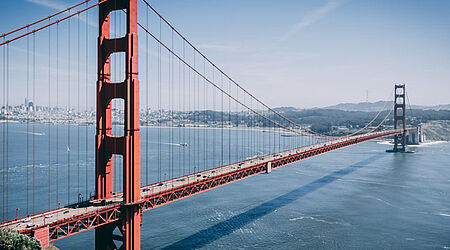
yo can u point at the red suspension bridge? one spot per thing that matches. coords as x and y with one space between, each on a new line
189 125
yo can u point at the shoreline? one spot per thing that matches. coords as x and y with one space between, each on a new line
423 144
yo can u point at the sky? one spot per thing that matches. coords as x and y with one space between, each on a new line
307 53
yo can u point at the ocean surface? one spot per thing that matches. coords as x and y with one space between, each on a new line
358 197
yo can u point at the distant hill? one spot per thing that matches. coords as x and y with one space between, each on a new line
376 106
362 106
285 109
334 120
436 107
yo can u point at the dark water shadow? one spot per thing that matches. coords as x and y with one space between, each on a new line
217 231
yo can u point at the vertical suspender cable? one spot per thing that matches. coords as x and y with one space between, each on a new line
4 111
204 118
7 130
78 108
179 119
198 122
190 118
146 102
195 110
279 139
249 120
28 123
34 121
221 122
172 82
194 113
262 133
273 135
57 109
184 112
267 137
250 145
197 141
159 104
170 92
49 118
194 118
168 112
229 123
87 108
248 127
214 122
68 111
244 129
238 114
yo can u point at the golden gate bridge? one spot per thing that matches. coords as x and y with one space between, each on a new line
174 127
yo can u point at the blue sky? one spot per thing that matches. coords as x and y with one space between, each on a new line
308 53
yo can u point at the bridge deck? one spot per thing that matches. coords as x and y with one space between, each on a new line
80 217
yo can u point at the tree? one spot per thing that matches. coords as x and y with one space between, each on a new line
321 128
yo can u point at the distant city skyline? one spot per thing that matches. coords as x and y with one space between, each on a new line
305 53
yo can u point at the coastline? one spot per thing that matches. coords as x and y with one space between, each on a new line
423 144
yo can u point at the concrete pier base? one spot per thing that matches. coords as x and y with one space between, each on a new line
398 151
42 235
269 167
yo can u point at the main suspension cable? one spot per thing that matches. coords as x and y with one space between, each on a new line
43 19
227 76
53 23
307 131
214 84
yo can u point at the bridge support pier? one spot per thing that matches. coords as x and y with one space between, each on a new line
127 145
269 167
42 235
103 237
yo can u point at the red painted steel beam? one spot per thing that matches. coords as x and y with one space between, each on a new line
132 213
105 144
79 223
103 156
128 145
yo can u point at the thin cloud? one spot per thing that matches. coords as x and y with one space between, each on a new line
56 5
219 47
312 17
49 4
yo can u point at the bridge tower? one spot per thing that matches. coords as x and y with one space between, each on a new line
127 145
400 116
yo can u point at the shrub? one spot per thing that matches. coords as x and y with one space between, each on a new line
10 240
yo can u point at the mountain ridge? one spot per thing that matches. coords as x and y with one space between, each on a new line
366 107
